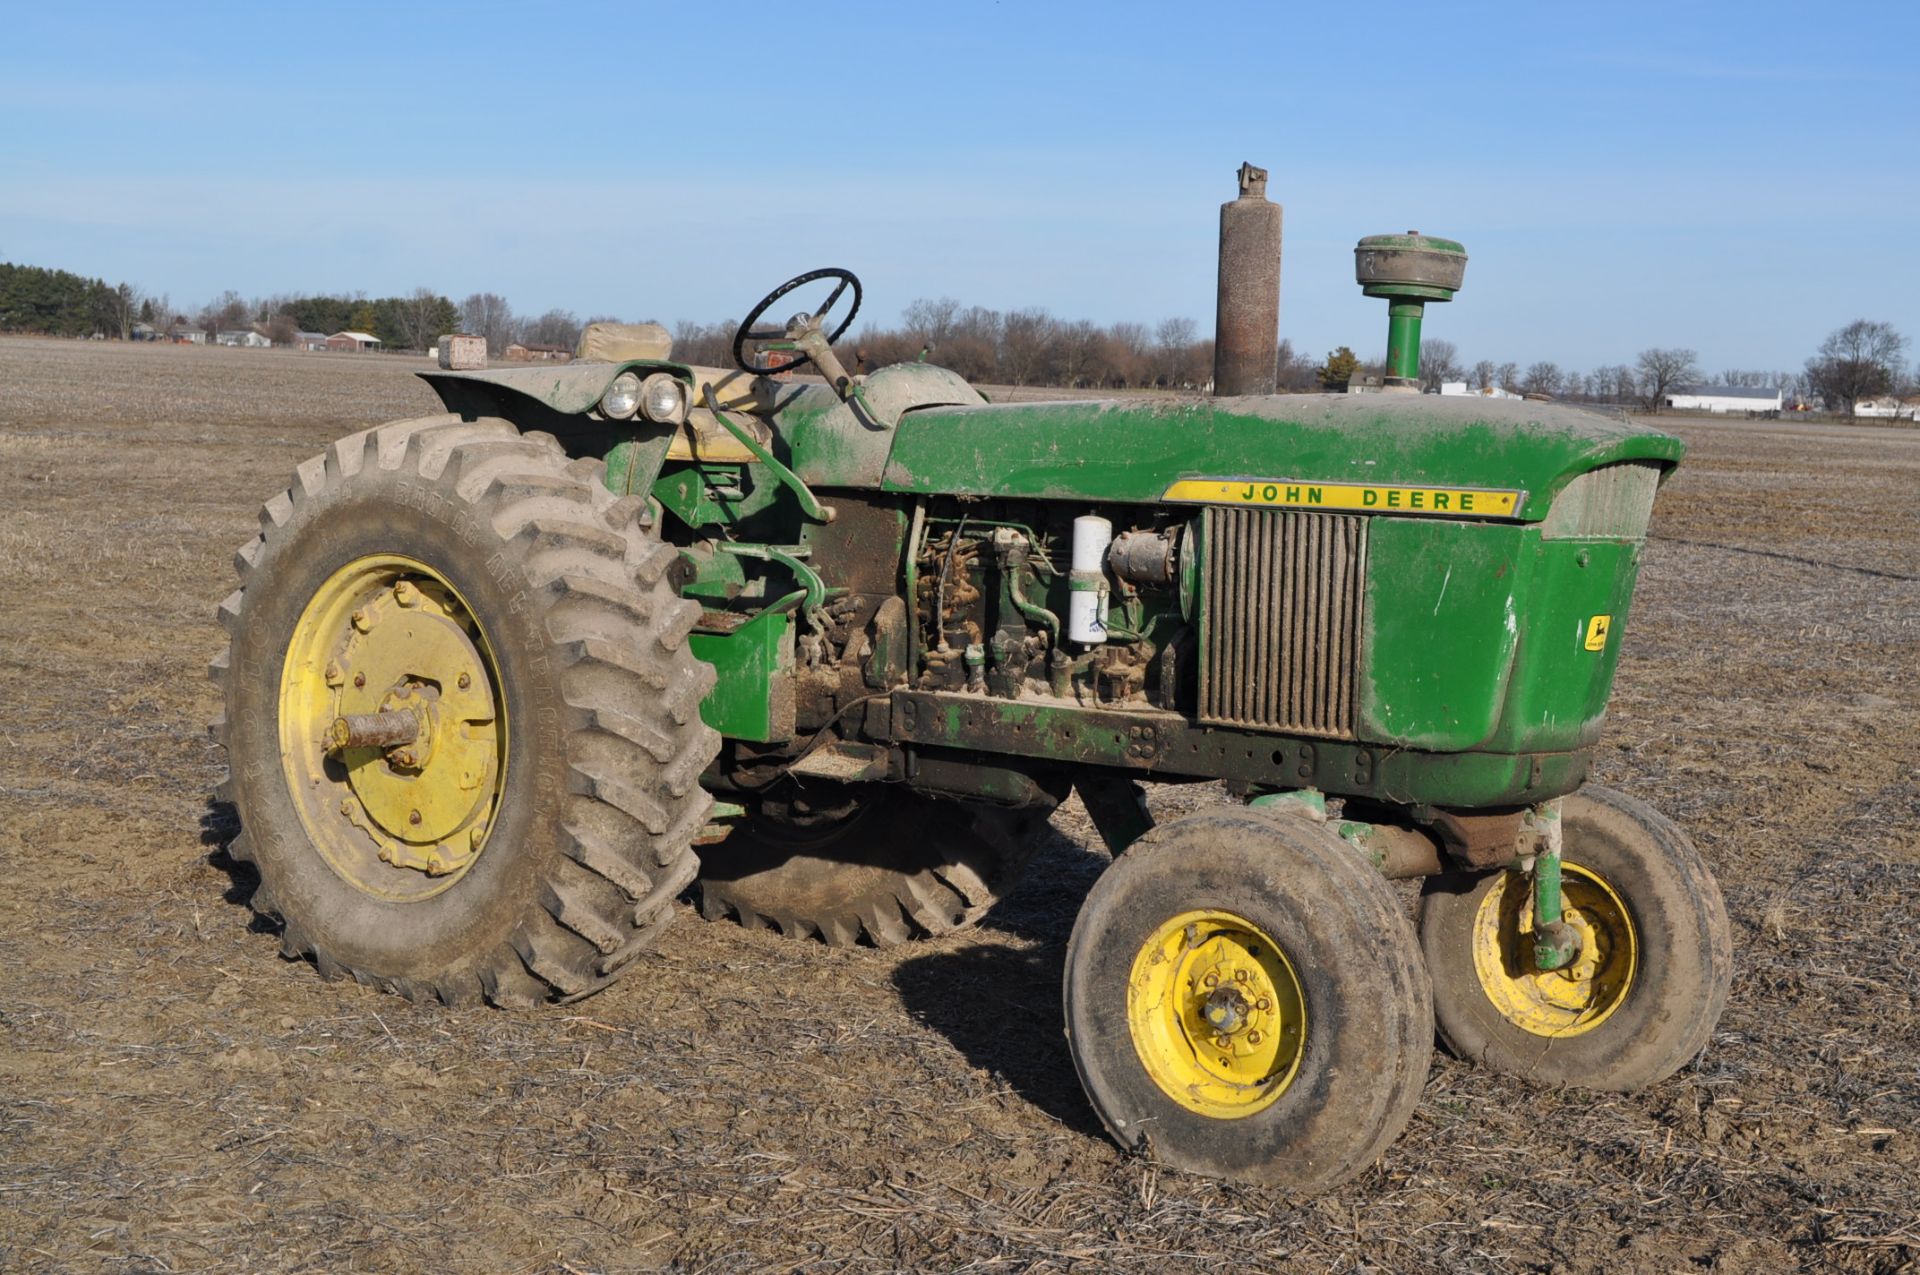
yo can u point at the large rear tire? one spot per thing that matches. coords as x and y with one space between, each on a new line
1245 999
495 598
874 861
1650 981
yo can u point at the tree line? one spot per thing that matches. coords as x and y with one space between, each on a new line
1863 360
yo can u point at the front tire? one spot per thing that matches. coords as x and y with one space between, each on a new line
480 586
1651 979
1244 999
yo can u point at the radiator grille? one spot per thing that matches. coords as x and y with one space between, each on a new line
1284 596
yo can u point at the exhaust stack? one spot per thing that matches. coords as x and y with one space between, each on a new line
1246 325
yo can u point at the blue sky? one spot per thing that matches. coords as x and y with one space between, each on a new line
1739 179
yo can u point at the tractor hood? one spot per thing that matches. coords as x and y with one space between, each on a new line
1391 452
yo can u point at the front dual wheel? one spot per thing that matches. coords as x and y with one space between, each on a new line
1650 975
1245 999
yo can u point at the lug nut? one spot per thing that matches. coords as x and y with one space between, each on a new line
405 757
333 675
1263 1004
465 680
1253 1037
359 680
362 621
413 817
405 594
478 835
1211 980
1221 1042
1239 976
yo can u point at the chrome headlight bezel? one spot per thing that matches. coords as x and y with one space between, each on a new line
664 399
622 397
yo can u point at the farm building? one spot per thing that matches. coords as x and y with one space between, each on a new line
309 340
1453 389
181 334
1889 407
532 353
353 341
1723 398
246 339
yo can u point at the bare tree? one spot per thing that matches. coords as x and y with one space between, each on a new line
1174 337
1078 344
1439 363
124 304
1858 361
1483 373
555 328
1662 369
424 316
487 314
1542 378
1026 343
281 329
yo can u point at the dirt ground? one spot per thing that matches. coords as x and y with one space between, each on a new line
176 1097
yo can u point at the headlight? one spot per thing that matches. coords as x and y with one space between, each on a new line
663 397
622 398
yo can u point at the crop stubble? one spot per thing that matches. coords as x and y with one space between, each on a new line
174 1097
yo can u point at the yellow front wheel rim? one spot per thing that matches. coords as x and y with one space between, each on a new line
1564 1002
388 635
1217 1013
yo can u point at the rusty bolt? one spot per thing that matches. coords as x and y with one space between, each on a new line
1221 1042
362 621
346 807
413 816
1263 1004
359 680
386 854
333 674
405 757
1211 980
478 835
466 680
1253 1037
405 594
1239 976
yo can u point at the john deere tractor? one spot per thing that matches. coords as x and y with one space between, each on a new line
827 648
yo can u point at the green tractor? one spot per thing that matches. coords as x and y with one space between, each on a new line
505 682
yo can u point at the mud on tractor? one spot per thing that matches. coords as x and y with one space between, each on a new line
505 682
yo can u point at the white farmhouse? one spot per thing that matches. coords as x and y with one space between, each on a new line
1723 399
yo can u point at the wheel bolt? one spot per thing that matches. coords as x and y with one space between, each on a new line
1221 1042
1211 980
466 680
1263 1004
359 680
362 621
1239 976
333 675
405 757
405 594
1253 1037
413 817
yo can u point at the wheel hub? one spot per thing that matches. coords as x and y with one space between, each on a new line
1217 1012
393 734
1577 997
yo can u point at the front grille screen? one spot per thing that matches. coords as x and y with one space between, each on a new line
1285 592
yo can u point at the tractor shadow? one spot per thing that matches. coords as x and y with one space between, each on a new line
999 1004
219 825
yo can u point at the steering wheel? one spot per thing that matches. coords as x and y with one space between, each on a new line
798 326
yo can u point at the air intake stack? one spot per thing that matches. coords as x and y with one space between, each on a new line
1408 271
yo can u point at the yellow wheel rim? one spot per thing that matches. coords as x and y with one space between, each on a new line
388 635
1218 1016
1563 1002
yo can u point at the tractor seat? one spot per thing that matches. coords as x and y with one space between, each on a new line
621 342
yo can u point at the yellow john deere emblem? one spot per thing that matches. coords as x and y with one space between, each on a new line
1597 632
1289 493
